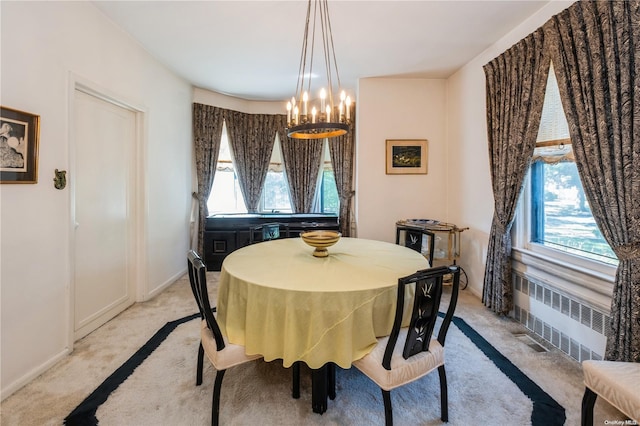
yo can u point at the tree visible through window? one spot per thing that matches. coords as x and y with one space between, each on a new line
327 200
560 215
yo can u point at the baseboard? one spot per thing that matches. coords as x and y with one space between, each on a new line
153 293
8 390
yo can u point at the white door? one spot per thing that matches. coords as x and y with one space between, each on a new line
103 182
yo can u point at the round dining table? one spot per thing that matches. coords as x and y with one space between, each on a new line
281 302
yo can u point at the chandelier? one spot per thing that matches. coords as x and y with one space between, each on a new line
326 116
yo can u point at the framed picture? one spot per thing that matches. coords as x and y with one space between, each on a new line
19 133
407 156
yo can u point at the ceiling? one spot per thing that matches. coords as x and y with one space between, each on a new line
251 49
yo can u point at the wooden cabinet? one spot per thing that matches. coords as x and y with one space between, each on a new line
225 233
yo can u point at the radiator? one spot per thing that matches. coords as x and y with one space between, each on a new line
573 326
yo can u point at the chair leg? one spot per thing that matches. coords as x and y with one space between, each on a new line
444 398
588 402
295 392
388 413
200 366
215 404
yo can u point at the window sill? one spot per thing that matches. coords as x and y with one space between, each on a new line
589 285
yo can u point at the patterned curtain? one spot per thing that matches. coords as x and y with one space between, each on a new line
251 137
595 46
207 131
342 151
302 160
515 84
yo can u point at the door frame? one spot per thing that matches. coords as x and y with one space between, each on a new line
137 185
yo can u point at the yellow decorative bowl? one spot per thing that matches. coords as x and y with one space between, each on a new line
320 240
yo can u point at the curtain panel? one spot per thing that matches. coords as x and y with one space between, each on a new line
207 130
594 47
342 151
302 160
251 137
515 85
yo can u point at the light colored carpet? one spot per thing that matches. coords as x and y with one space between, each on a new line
162 390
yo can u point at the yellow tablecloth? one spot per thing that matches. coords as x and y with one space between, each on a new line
281 302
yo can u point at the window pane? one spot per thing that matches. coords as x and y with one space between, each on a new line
327 200
275 195
330 201
226 196
561 216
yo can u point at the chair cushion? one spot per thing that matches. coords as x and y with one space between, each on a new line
616 382
402 370
228 357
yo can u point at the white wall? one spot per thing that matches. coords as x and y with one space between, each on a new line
45 45
399 109
471 197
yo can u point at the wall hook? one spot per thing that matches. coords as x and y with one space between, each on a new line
60 179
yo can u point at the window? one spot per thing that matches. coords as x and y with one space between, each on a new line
327 200
275 194
558 214
226 196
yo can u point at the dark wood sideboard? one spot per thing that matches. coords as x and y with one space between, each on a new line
224 233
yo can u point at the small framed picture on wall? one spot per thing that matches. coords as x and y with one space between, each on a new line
19 133
407 156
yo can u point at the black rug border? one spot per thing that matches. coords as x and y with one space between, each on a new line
546 411
85 413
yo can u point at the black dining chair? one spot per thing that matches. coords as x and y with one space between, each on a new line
268 231
192 255
410 353
420 240
222 354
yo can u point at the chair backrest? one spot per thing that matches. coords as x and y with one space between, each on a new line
268 231
198 280
428 292
420 240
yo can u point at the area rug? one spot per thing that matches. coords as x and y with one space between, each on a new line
156 386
